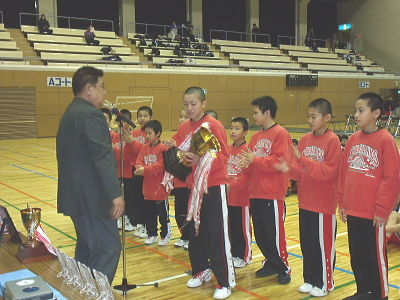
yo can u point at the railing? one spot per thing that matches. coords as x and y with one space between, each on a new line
152 29
67 22
239 36
1 16
282 39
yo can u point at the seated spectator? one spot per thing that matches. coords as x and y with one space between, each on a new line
173 31
188 31
89 37
44 25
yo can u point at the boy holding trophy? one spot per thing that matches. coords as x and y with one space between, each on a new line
209 246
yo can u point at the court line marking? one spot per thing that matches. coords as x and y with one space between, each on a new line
18 153
37 173
44 149
27 163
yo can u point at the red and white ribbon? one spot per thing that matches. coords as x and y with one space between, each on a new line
41 236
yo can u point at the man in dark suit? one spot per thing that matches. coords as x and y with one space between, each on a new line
88 187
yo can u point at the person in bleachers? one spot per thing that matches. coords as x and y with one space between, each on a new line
44 25
90 37
188 31
173 31
310 38
254 32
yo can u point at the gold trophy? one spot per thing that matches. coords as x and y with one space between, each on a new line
202 141
32 250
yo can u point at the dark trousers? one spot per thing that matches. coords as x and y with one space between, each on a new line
92 42
317 240
158 209
181 207
240 232
368 256
138 199
212 241
269 231
98 245
130 209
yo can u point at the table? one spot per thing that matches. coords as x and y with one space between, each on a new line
47 269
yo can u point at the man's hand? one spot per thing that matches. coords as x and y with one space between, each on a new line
378 221
342 215
139 170
118 207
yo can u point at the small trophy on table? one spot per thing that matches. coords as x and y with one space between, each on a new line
32 250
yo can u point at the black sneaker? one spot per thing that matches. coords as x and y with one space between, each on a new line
359 296
264 272
284 278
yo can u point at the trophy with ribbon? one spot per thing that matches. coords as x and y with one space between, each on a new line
32 250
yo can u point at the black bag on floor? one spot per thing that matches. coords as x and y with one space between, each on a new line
112 58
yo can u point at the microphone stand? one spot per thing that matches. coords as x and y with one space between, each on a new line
124 286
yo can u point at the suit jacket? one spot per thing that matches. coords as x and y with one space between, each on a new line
87 172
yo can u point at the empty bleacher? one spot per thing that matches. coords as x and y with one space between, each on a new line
9 52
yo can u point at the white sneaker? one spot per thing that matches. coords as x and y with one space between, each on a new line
179 243
128 225
138 230
119 223
186 245
143 234
239 263
150 240
317 292
222 292
163 242
305 288
199 278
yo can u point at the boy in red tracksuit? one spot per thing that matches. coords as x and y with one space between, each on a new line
316 168
368 188
209 245
268 188
238 198
144 114
150 165
107 114
181 193
129 191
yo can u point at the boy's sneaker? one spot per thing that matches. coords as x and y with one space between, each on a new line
265 272
141 232
317 292
199 278
305 288
239 263
186 245
179 243
284 278
138 230
222 292
150 240
128 225
163 242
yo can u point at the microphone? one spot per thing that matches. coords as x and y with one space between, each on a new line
120 117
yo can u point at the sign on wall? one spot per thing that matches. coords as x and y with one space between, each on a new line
363 84
59 81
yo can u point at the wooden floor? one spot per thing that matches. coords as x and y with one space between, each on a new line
28 174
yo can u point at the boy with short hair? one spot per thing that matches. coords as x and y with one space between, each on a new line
107 114
144 114
150 165
316 167
268 188
238 198
368 187
209 245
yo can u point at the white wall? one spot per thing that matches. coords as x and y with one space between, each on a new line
378 22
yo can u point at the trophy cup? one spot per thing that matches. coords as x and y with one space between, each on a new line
32 250
174 159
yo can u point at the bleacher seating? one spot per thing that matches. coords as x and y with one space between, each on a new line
193 62
72 57
69 32
301 48
170 53
242 44
5 36
322 61
244 50
251 57
312 54
2 27
268 65
8 45
83 49
11 55
59 39
102 64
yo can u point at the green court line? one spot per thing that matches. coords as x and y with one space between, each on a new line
72 245
291 215
47 224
